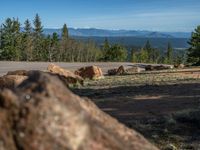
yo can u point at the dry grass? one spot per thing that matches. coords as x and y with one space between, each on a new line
163 106
143 79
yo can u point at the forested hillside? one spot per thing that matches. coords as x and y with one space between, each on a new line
32 44
29 42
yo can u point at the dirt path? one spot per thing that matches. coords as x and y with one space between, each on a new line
11 66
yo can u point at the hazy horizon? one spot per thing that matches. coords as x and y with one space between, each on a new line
142 15
60 28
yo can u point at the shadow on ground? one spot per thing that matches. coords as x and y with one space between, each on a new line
152 110
143 100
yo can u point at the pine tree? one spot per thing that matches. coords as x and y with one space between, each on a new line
116 53
27 27
28 41
149 50
179 59
155 55
64 53
148 46
106 47
143 57
53 54
17 38
11 40
46 47
169 53
7 40
38 29
194 50
38 39
134 56
65 32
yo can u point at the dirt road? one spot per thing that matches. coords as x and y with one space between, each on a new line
11 66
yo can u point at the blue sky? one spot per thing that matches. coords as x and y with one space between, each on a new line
155 15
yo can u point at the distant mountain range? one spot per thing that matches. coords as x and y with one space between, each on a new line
93 32
128 38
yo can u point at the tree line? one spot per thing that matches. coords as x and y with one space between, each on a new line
191 56
194 50
149 54
146 54
31 44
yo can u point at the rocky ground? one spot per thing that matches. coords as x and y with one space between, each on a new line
163 106
37 111
42 114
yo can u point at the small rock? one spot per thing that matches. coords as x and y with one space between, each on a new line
120 71
90 72
18 72
180 66
112 72
11 81
69 76
158 67
134 69
170 147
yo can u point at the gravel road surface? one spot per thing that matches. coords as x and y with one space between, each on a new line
6 66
